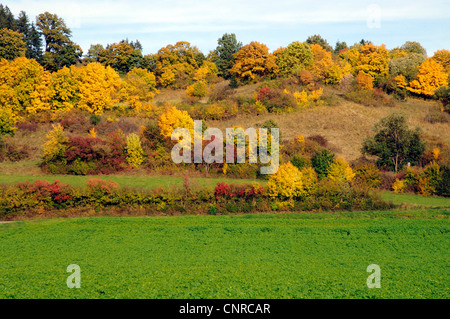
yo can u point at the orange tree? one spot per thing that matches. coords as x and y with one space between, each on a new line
252 61
430 77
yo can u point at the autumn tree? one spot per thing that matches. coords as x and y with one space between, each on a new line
175 64
226 48
296 57
98 86
24 86
64 89
340 46
93 53
173 119
138 87
372 60
430 77
12 44
322 62
317 39
394 143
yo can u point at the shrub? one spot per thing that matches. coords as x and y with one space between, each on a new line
340 171
399 186
300 161
55 147
95 119
198 89
134 153
286 183
322 161
367 174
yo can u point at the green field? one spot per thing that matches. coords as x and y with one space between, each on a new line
296 255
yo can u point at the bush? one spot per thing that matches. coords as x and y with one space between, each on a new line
300 161
322 161
134 153
367 174
286 183
95 119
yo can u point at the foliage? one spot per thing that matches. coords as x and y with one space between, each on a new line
253 60
286 183
394 143
133 149
363 81
443 58
318 40
296 57
55 146
7 122
23 86
138 87
198 89
322 161
340 170
173 119
406 66
413 47
227 46
430 77
322 62
11 44
97 87
398 186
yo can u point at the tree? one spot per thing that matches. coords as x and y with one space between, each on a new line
406 65
31 36
12 44
253 60
295 58
93 52
98 86
122 57
7 18
430 77
394 143
372 60
24 86
322 62
443 58
7 122
226 48
413 47
340 46
60 51
175 64
138 86
317 39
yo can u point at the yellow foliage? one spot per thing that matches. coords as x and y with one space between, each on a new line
287 182
430 77
364 81
97 87
254 60
24 86
436 152
135 154
341 171
174 118
303 97
400 81
443 58
138 87
64 89
372 60
399 186
93 133
54 147
322 62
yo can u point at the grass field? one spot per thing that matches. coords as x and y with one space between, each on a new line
246 256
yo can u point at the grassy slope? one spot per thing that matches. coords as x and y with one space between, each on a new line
246 256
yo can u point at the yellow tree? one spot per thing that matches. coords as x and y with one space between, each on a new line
24 86
174 118
372 60
430 77
64 89
98 87
138 86
322 62
253 60
12 44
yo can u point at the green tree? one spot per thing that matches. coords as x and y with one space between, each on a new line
394 143
321 162
7 18
413 47
317 39
60 51
93 53
226 48
295 58
406 65
340 46
12 44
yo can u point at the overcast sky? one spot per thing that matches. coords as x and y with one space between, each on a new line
156 23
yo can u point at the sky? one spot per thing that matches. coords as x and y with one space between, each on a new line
276 23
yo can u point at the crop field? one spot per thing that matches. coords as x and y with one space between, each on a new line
295 255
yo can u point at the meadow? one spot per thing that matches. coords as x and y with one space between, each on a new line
294 255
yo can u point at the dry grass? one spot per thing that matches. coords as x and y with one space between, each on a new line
344 125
